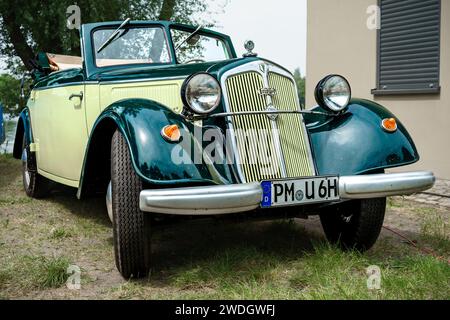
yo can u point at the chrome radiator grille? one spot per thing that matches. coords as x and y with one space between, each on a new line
292 136
267 149
257 152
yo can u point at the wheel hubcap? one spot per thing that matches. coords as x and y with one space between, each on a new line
25 167
109 201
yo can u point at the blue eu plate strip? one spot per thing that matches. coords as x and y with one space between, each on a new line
267 194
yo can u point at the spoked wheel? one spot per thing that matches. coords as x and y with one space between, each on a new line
131 226
354 224
35 185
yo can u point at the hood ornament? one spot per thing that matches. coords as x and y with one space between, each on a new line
249 45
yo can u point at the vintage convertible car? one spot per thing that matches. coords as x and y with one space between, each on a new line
167 121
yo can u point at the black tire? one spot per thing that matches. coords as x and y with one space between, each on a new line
35 185
354 224
131 226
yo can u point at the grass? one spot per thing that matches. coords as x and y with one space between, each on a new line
60 233
50 273
34 272
324 273
435 228
39 239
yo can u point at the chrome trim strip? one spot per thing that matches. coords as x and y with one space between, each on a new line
211 200
384 185
225 199
249 113
62 85
142 80
105 82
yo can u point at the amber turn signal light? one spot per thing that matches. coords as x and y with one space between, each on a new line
390 125
171 133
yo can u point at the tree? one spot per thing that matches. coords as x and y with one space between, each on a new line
9 93
30 26
300 81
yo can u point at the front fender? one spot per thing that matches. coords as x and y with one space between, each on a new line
140 121
355 143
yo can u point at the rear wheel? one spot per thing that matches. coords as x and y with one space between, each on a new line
354 224
35 185
131 226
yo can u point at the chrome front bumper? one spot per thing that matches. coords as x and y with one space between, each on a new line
225 199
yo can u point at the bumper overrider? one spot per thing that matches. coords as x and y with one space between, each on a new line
226 199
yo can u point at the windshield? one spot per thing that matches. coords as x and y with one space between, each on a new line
199 48
131 46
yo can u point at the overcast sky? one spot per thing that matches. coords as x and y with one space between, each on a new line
278 28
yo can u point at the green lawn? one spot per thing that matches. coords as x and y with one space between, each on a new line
39 239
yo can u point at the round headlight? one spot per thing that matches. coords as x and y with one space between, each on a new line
333 92
201 93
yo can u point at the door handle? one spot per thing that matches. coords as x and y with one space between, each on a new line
75 95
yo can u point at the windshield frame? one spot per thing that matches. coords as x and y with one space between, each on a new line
202 32
93 73
127 27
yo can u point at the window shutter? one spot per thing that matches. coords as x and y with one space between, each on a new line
409 46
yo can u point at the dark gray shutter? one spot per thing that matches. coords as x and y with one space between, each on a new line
409 46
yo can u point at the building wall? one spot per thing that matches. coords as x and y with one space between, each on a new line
339 42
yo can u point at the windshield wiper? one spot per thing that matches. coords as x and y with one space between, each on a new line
189 37
113 36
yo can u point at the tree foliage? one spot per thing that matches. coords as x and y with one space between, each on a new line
300 81
9 93
29 26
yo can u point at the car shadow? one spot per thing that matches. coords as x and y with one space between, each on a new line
187 243
92 208
229 246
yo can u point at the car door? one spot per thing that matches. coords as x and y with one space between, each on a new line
59 128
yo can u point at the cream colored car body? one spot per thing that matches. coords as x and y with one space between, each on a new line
61 127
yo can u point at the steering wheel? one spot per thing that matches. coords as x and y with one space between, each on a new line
197 60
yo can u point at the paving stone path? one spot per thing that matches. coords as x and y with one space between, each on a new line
439 195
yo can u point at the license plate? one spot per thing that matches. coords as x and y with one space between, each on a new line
300 191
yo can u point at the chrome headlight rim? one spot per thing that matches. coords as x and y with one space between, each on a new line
185 98
320 96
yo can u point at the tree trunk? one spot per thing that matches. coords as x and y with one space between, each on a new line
167 10
20 45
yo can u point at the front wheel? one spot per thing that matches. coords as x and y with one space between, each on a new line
131 227
354 224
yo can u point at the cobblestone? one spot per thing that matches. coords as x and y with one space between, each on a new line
439 195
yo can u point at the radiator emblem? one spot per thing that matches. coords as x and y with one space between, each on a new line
274 115
271 92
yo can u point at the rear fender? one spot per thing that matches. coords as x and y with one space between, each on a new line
23 128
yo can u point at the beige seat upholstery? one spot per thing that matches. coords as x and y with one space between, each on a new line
63 62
